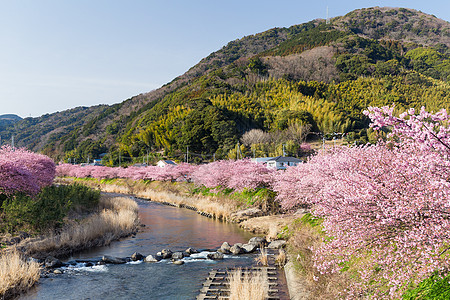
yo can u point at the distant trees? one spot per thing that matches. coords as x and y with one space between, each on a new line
262 143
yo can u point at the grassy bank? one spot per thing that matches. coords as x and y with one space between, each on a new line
303 235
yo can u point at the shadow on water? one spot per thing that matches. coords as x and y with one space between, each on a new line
166 227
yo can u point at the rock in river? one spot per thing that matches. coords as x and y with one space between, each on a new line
137 256
177 256
215 256
113 260
226 247
152 258
249 248
236 249
191 251
166 253
51 262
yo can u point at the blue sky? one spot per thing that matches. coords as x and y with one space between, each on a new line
60 54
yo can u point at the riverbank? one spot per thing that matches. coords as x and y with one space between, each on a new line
114 218
217 206
117 217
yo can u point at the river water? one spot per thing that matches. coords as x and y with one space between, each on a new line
166 227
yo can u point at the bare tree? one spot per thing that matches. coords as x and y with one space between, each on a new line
255 136
297 132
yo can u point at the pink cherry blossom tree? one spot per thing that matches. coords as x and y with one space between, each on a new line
386 207
24 171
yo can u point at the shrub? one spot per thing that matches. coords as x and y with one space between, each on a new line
46 210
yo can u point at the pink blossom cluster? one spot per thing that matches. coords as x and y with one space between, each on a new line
233 174
386 206
24 171
236 175
181 172
427 130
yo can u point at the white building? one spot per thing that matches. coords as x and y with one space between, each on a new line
281 162
164 163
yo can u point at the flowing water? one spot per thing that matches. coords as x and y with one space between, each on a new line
166 227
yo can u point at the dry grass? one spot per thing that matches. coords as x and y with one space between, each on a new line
281 258
203 204
262 258
118 219
249 286
16 274
118 203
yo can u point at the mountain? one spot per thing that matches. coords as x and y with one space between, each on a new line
8 120
316 75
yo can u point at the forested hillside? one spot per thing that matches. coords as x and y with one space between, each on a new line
314 76
8 120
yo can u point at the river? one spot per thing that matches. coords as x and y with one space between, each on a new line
165 227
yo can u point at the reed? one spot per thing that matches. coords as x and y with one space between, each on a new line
249 286
16 274
262 258
281 259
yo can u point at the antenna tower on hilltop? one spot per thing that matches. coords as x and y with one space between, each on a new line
328 19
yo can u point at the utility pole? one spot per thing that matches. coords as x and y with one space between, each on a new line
187 154
237 151
214 157
323 144
284 153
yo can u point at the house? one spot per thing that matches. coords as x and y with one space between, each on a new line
164 163
140 165
261 160
281 162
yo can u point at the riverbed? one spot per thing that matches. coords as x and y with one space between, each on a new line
165 227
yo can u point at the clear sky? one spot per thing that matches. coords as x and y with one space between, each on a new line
60 54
